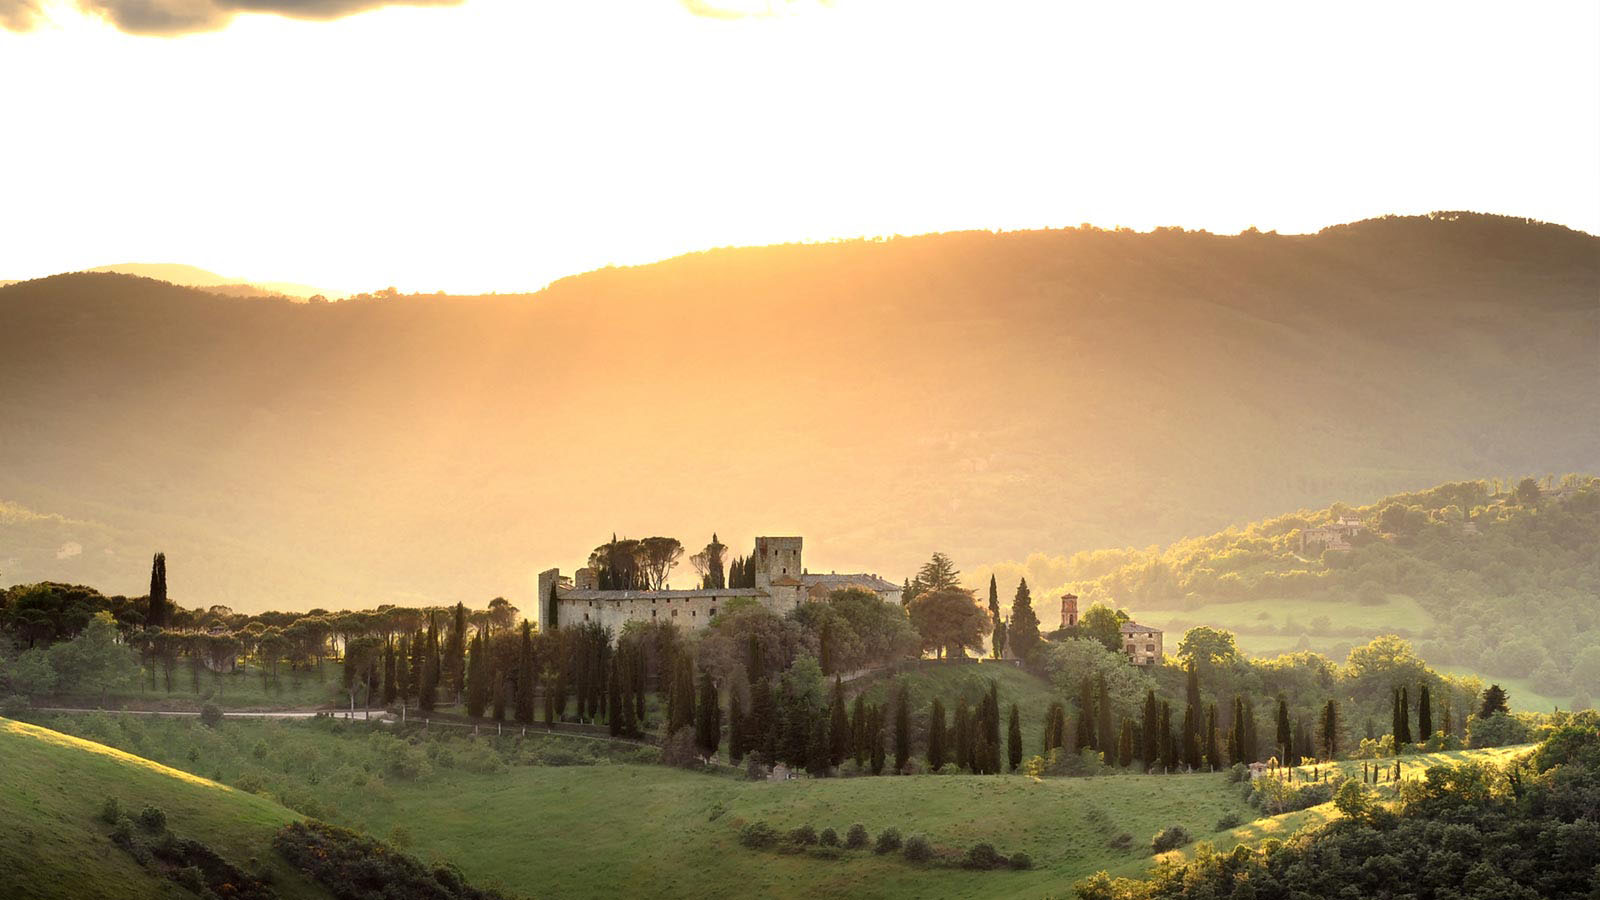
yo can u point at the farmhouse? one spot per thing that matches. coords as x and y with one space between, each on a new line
781 584
1334 536
1142 644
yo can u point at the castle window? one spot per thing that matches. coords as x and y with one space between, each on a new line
586 617
713 610
692 613
652 614
674 614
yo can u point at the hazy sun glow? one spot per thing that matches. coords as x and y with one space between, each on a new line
500 144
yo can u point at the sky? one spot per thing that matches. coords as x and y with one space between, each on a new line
500 144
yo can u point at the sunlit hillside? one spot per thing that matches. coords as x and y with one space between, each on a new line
986 395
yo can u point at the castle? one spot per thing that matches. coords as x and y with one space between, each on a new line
781 584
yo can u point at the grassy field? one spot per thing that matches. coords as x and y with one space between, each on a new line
1032 695
559 817
1522 696
53 844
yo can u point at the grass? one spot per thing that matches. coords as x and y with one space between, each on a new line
599 825
1275 626
1522 696
1032 695
53 844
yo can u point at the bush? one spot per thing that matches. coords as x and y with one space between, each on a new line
13 706
983 856
949 769
1498 730
1231 820
338 859
1238 772
856 837
805 835
122 832
918 849
111 811
153 819
211 715
758 835
1020 860
1170 838
888 841
828 838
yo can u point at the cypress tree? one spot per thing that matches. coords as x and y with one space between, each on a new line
419 645
1285 735
708 718
1150 753
963 735
1125 744
428 696
1403 736
456 655
1252 744
402 672
875 736
817 749
763 734
838 727
1085 734
1167 754
390 689
994 616
1424 714
477 687
1494 700
1014 739
902 728
859 748
1236 737
993 723
525 676
1213 752
735 728
1105 737
1330 730
613 701
1191 739
1022 634
936 753
1192 690
159 611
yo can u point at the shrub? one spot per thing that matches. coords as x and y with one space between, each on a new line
1123 841
1020 860
339 859
153 819
250 783
856 837
888 841
949 769
918 849
983 856
805 835
13 705
1170 838
211 715
758 835
1231 820
122 832
1238 772
828 838
111 811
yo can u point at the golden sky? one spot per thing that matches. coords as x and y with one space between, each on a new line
498 144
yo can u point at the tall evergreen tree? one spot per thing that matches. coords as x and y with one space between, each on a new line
1285 733
1191 683
1424 714
477 687
1167 753
429 695
1191 739
455 659
159 612
859 748
994 617
1105 737
736 727
875 736
1402 734
1150 753
1085 735
902 728
963 735
936 750
1014 739
1022 633
390 689
1213 750
1252 743
708 718
763 736
1330 730
838 726
419 655
1125 744
525 676
402 672
613 700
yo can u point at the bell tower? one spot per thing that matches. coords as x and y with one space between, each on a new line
1069 610
777 558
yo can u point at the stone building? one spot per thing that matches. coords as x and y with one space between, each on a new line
1069 610
781 584
1333 536
1142 644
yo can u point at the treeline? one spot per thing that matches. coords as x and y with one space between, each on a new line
1473 830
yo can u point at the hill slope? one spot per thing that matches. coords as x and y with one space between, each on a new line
54 845
983 394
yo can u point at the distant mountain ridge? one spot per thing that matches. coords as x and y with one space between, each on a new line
984 394
194 276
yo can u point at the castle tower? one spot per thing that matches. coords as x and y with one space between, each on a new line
777 558
1069 610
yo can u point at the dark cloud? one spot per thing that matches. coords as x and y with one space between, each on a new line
170 17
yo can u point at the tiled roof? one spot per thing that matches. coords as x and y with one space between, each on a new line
872 582
589 594
1130 627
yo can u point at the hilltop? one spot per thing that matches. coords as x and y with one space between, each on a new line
194 276
983 394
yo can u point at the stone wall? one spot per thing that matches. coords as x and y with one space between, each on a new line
686 612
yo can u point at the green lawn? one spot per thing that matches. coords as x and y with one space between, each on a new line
53 844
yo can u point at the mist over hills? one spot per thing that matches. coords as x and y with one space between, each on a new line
984 394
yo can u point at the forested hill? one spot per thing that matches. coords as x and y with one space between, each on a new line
983 394
1507 577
